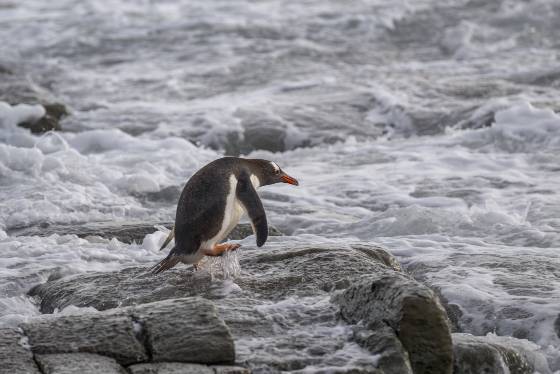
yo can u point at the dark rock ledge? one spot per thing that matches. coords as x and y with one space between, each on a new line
126 232
394 301
185 322
54 113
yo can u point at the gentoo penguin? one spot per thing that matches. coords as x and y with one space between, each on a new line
211 204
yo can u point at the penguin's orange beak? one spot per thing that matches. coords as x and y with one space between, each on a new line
287 179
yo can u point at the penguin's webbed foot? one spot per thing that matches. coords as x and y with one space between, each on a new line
219 249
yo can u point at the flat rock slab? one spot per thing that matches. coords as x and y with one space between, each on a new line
410 309
110 334
15 355
185 330
127 287
182 368
170 368
126 232
496 355
223 369
269 274
310 270
78 363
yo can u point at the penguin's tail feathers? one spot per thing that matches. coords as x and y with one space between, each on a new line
167 263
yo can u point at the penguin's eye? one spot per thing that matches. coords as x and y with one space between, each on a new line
277 171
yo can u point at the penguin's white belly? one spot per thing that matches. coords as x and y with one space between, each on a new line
233 212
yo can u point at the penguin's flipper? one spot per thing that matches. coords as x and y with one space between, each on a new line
169 238
248 196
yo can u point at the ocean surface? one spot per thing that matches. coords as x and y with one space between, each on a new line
430 127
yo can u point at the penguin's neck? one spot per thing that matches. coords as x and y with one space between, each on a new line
255 181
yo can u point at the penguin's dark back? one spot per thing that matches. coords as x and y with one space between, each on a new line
200 210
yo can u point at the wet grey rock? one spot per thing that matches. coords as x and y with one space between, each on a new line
454 312
380 339
480 354
269 276
170 368
78 363
55 112
126 232
243 230
260 131
15 356
230 370
43 124
310 270
183 368
157 331
110 334
17 88
169 194
127 287
410 309
185 330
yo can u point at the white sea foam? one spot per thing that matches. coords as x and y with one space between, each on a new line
472 210
92 176
62 255
75 310
12 115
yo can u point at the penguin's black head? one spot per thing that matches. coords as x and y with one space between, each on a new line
269 173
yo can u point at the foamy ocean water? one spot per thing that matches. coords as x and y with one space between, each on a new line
429 127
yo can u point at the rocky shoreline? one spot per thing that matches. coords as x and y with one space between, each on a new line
292 306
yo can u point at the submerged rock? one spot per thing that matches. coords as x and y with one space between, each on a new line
54 113
17 88
495 355
410 309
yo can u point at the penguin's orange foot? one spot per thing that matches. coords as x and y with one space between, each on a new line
219 249
232 247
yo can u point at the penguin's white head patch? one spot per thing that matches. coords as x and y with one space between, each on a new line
276 168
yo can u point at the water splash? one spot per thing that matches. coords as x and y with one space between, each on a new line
224 267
